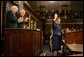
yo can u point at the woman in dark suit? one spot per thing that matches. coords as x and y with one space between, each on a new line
21 19
56 42
11 21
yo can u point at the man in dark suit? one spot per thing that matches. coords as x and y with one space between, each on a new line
11 21
21 19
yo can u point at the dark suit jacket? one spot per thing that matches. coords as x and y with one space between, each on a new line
11 20
21 24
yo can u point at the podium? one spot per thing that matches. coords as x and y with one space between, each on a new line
22 42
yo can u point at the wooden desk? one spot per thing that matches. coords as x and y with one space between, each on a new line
22 42
74 37
76 47
74 40
77 54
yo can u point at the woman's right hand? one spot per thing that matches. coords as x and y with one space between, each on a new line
20 20
55 17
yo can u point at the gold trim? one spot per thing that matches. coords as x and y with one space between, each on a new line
31 14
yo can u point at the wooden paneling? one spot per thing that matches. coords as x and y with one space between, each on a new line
22 42
1 15
11 43
74 37
26 43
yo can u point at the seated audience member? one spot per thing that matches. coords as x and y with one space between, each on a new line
73 30
67 30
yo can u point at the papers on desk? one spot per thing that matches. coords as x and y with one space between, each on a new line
76 47
38 29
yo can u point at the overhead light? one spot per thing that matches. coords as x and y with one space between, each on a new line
51 1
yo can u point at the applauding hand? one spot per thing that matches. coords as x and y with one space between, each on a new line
20 20
26 19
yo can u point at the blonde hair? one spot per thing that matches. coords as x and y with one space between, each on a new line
14 7
22 11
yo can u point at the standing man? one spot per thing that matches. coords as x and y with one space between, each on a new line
11 21
21 20
56 41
